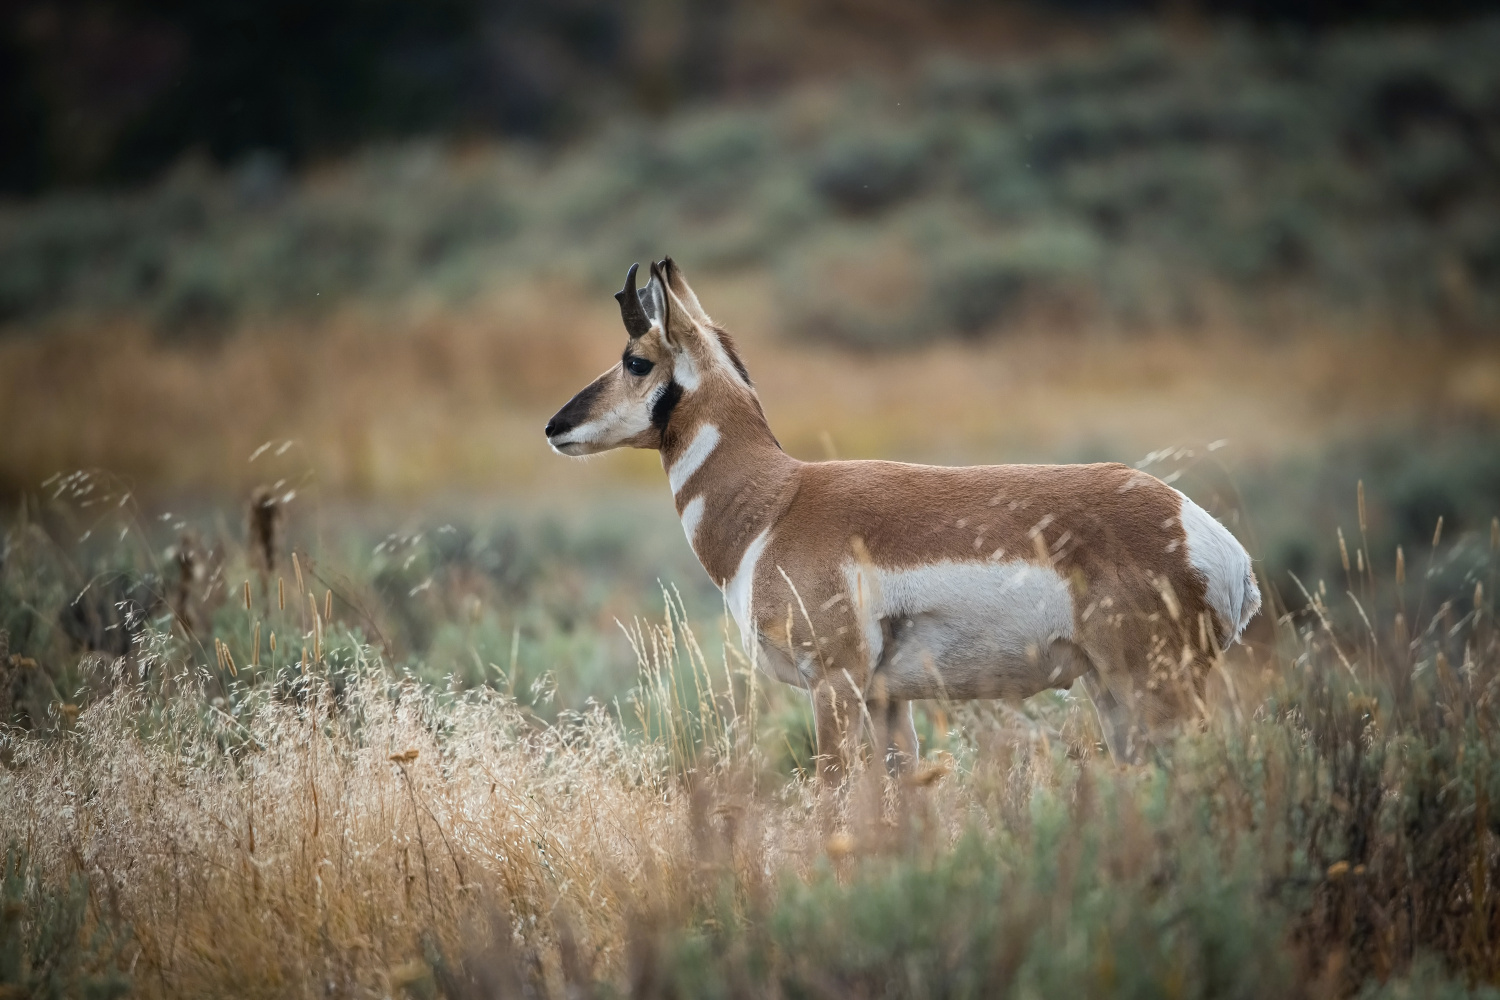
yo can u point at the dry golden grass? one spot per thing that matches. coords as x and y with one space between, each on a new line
405 403
315 843
379 838
326 854
330 826
363 842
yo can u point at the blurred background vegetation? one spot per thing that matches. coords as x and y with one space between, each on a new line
199 166
353 254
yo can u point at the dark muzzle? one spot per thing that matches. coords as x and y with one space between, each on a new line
574 412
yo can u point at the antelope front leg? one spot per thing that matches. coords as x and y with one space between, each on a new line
901 752
836 712
894 736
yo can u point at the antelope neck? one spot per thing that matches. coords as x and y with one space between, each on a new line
728 479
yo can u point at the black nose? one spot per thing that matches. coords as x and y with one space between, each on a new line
557 426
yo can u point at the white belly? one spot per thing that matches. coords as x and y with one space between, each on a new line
967 629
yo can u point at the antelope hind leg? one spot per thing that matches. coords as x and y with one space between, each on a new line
900 743
1123 735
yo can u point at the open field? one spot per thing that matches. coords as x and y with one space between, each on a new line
380 408
220 812
452 772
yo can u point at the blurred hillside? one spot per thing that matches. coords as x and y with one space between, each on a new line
1143 178
1014 237
113 91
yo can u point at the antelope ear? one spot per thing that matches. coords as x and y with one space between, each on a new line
677 322
677 282
653 300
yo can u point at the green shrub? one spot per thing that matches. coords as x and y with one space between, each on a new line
51 944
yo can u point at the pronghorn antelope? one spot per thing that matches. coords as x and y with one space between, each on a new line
875 583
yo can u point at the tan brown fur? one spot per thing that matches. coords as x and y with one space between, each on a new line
1143 631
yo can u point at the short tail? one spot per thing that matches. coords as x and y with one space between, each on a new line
1249 604
1224 566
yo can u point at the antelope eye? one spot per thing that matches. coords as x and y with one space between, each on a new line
638 366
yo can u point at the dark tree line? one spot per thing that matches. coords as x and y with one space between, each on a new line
113 91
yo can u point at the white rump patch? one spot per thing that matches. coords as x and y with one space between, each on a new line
693 457
739 590
966 629
691 515
1224 565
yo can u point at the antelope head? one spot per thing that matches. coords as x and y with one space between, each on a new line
673 350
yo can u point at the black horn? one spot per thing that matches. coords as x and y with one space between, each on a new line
631 312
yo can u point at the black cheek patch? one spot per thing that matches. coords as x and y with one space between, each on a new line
661 411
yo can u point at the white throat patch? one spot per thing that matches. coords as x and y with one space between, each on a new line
693 457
